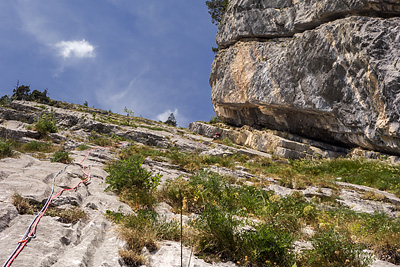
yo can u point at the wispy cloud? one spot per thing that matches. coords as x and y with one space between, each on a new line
76 49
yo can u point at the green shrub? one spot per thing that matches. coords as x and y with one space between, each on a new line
132 182
208 187
266 246
332 249
5 149
218 233
46 124
61 156
114 216
221 233
214 120
217 8
5 100
82 147
100 140
226 141
23 93
35 146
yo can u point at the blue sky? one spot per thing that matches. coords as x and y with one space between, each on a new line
152 56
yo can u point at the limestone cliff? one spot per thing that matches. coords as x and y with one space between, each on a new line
327 70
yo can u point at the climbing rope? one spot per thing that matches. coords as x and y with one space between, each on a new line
31 230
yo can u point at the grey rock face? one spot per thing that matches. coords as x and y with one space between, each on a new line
91 242
281 144
280 18
338 83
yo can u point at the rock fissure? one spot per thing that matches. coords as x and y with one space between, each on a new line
283 37
336 82
251 19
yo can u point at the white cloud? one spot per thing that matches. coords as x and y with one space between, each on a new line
77 49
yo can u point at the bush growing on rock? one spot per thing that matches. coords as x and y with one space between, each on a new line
61 156
331 248
214 120
5 149
46 124
5 100
23 93
217 8
132 182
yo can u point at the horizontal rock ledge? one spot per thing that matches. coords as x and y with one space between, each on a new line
282 18
339 83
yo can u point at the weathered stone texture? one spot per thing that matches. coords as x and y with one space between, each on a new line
278 18
338 83
281 144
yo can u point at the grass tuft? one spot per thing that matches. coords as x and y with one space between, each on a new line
5 149
61 156
25 206
143 231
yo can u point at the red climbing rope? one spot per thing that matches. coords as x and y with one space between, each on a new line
32 231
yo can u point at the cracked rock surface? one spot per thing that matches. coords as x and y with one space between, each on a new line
325 70
93 241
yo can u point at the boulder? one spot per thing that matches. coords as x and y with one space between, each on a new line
338 83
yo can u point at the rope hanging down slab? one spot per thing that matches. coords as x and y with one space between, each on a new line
31 230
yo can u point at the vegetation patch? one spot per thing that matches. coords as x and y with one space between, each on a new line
143 231
134 184
61 156
292 173
46 123
214 120
373 173
83 147
253 227
100 140
248 225
5 149
331 247
26 206
186 160
325 172
35 146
